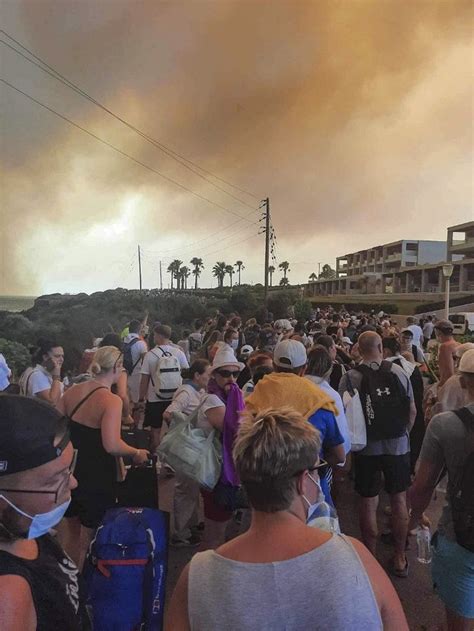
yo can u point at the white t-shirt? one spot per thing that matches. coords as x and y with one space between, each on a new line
137 350
417 334
186 399
150 362
36 380
428 330
210 401
5 373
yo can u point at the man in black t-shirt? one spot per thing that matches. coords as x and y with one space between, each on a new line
39 584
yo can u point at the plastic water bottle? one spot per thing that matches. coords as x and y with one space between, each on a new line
423 544
325 517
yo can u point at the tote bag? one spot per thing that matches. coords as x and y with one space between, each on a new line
355 420
190 451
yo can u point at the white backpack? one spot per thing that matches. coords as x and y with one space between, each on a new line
167 377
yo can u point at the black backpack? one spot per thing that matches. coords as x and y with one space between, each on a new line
462 491
127 355
385 403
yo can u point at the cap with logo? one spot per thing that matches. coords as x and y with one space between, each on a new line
290 354
28 429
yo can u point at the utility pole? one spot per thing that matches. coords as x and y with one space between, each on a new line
267 246
139 268
319 269
161 278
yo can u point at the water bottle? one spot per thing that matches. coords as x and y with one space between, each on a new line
423 544
325 517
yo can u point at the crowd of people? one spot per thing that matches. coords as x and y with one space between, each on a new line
276 395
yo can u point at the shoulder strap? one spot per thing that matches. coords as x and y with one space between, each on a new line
386 366
466 416
28 380
89 394
165 353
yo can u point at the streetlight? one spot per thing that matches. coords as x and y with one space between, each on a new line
448 269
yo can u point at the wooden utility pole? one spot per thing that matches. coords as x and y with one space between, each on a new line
161 277
267 246
139 268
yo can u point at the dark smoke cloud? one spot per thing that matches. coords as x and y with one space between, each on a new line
355 117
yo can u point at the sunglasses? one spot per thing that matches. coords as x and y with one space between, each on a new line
226 374
69 472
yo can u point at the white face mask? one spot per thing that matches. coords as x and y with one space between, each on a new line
234 344
42 522
321 514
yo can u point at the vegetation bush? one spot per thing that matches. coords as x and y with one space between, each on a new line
17 356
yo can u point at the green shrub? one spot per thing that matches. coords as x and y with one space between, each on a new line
17 356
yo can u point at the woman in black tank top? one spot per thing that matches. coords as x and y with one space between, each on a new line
97 448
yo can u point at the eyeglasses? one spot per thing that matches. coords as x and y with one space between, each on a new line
321 465
69 472
228 373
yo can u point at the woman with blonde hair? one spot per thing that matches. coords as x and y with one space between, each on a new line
95 420
283 574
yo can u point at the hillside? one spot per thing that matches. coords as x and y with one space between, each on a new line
74 320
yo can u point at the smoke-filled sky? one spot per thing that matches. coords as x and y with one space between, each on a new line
353 116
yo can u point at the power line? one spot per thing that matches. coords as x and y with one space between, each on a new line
192 244
123 153
167 150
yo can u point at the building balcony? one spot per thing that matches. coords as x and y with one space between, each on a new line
463 247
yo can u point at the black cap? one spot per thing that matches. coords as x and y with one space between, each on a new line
28 428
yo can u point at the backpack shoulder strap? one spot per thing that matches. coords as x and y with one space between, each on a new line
89 394
386 366
28 380
466 416
165 353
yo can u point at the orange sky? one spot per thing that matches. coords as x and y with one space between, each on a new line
354 116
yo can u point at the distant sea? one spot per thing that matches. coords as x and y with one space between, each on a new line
16 303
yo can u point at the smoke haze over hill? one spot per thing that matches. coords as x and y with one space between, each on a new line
355 117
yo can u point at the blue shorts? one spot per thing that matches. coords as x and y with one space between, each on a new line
453 575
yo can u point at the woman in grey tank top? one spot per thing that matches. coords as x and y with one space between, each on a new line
282 575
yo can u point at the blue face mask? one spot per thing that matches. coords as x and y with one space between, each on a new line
42 522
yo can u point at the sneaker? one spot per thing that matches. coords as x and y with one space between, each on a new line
191 542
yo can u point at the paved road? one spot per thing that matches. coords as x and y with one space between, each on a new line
423 609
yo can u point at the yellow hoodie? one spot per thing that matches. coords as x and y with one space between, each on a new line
281 388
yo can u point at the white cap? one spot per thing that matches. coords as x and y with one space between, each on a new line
467 362
283 324
290 354
463 348
225 357
347 340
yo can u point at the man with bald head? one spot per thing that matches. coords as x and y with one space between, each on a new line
387 398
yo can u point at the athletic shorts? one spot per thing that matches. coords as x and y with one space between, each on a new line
453 575
369 470
90 506
154 413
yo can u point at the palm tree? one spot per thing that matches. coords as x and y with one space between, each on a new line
285 268
219 271
173 269
198 266
184 274
271 271
229 269
284 281
312 277
240 266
